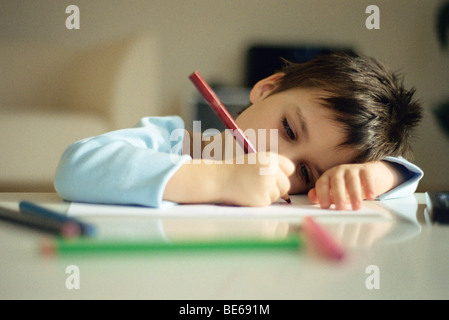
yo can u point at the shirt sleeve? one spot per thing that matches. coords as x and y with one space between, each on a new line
412 173
130 166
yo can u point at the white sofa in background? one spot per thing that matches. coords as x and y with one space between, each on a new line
51 96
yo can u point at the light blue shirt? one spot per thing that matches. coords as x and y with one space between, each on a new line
132 166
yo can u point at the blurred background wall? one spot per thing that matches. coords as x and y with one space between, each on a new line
213 35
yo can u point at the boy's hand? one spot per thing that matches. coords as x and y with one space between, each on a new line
256 184
345 184
352 183
254 180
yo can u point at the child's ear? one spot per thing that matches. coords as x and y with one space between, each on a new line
264 87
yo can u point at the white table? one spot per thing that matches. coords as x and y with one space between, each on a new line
406 260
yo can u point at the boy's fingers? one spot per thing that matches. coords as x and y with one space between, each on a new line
322 189
283 182
354 190
367 181
283 185
338 187
286 165
312 195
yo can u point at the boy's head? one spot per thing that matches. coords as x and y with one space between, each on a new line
333 110
374 109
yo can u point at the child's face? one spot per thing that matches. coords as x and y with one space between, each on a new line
306 134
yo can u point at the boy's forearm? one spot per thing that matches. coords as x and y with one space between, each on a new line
387 177
194 183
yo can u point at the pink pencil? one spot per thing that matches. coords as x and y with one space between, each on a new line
321 239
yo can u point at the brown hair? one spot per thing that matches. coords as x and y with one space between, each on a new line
377 113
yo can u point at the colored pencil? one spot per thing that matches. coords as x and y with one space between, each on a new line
34 210
321 240
62 228
102 246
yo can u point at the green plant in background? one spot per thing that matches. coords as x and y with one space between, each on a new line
442 111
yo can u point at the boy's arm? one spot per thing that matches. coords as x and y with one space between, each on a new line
351 183
411 175
115 172
137 166
129 166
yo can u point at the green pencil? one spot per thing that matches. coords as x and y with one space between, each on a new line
101 246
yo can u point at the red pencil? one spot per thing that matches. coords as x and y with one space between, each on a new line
220 110
223 114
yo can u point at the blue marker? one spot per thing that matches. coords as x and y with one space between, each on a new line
32 209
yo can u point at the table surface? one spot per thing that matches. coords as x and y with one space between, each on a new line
397 259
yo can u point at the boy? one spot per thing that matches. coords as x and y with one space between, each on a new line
343 123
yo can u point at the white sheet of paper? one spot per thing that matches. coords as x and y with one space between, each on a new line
299 207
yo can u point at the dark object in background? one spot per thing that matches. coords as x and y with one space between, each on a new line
264 60
438 206
442 116
443 24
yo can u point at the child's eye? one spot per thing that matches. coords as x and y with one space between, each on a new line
288 130
305 173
